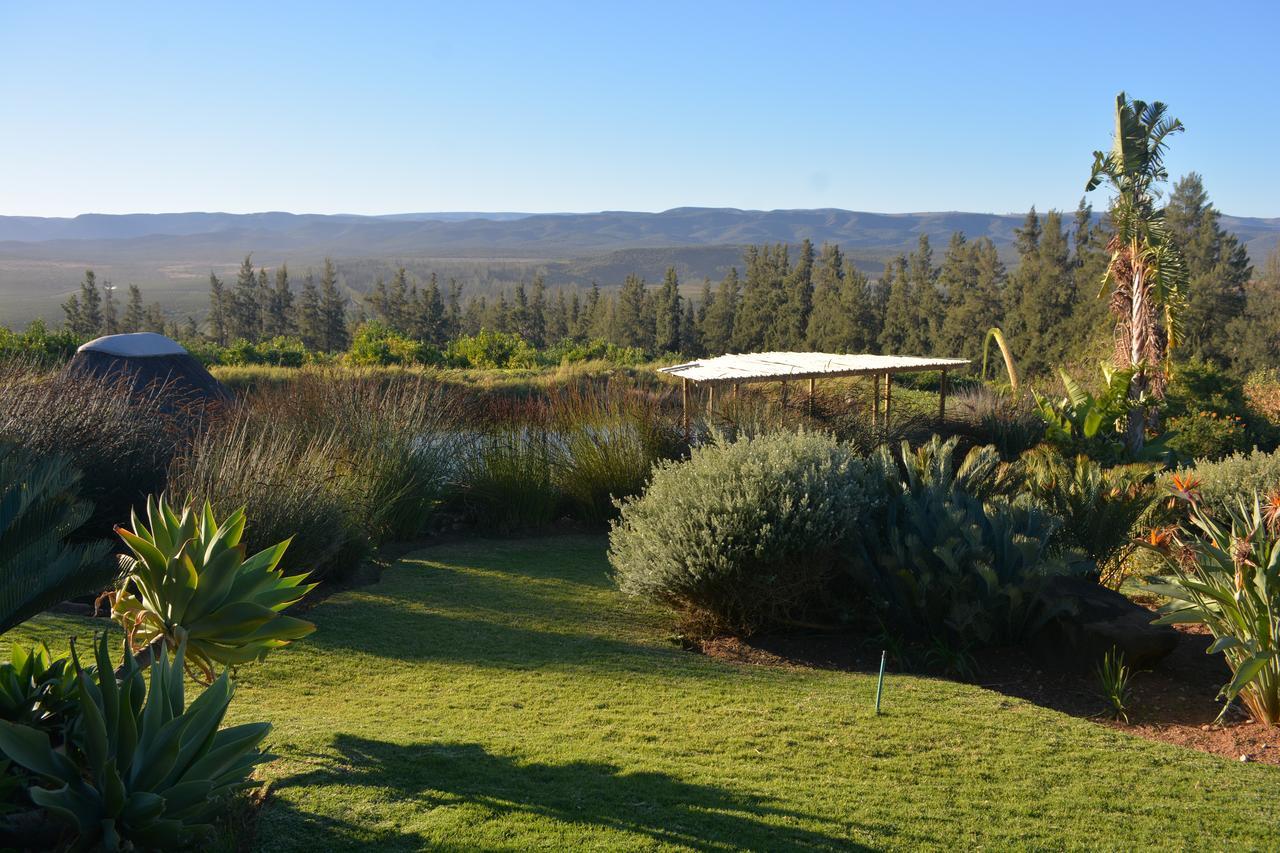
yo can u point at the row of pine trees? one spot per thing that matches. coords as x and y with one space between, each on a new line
783 298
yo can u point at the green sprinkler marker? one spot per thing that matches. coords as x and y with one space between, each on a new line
884 655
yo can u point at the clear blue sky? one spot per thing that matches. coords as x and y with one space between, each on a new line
540 106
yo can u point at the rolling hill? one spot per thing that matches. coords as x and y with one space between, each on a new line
170 255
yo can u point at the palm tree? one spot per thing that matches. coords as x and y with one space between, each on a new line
1146 274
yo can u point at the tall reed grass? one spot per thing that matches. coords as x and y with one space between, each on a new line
121 440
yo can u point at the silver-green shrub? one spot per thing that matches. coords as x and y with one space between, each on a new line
746 532
1238 476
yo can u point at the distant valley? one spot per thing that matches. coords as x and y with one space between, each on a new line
171 255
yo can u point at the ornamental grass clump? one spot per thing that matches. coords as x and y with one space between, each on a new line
189 584
1225 574
746 532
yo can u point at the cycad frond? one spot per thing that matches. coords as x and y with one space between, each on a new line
38 511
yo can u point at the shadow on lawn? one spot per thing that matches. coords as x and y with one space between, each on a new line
653 805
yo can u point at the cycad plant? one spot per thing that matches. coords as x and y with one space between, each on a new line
141 769
1225 575
1146 275
38 511
188 582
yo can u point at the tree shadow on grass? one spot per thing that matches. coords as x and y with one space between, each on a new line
654 806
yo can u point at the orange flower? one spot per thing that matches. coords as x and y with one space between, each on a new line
1160 537
1271 511
1186 488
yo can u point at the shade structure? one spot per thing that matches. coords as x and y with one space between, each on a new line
783 366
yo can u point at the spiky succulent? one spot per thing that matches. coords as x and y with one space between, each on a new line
189 581
141 769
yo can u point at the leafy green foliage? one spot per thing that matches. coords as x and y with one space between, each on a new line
189 584
142 768
745 532
1102 510
35 687
1114 677
1225 575
39 510
1226 482
949 557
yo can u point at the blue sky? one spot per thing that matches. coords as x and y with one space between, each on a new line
394 107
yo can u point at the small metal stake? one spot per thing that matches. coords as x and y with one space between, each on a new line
880 681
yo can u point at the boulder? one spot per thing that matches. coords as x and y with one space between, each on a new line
1099 619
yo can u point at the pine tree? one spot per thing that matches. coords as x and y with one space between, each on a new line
536 333
900 329
154 320
264 305
110 317
1217 269
831 326
473 316
430 325
973 278
668 316
73 315
763 300
453 311
280 314
1042 299
928 302
798 301
573 328
590 316
134 313
690 341
558 319
1091 317
333 311
379 301
219 311
1254 337
518 312
398 308
717 322
310 315
246 320
631 317
90 305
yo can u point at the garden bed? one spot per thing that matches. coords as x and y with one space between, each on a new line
1174 702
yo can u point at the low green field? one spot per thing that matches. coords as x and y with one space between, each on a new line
502 695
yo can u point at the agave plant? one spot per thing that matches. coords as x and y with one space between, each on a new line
35 687
142 769
188 581
1226 576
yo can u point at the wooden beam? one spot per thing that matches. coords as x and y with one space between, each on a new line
684 406
811 390
942 399
875 399
711 400
888 397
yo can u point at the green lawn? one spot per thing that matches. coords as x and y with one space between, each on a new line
502 695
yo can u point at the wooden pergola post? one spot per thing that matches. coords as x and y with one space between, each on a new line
942 398
711 399
888 396
875 398
812 384
684 406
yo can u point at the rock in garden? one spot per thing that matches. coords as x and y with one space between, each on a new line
1099 619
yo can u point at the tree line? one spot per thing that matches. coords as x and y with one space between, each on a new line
783 298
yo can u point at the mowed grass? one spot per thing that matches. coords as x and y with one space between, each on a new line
503 696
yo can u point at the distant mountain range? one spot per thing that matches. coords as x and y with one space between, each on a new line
169 255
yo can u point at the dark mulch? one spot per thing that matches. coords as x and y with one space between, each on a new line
1175 702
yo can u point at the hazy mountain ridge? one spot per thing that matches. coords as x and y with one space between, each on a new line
170 255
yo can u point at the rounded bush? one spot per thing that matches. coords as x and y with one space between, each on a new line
744 533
